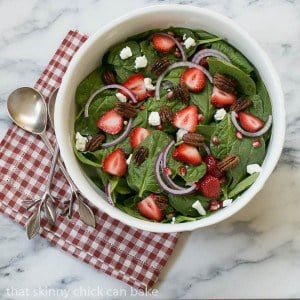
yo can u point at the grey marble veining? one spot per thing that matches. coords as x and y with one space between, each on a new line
254 254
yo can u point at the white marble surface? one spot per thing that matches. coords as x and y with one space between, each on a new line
254 254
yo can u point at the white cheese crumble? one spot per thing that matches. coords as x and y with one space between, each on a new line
254 168
220 114
125 53
226 202
148 84
154 118
125 122
179 134
81 142
184 37
121 97
189 42
141 62
198 206
173 220
128 160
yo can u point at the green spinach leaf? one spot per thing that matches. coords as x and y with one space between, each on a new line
206 130
194 173
243 185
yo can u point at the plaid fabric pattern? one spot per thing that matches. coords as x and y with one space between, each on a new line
133 256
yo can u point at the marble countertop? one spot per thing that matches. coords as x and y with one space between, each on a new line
254 254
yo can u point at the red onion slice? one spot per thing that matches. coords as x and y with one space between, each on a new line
165 187
168 180
209 52
107 87
108 195
121 137
206 148
178 65
178 44
247 133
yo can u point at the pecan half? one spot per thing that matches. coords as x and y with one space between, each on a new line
139 155
182 93
159 66
125 109
161 201
194 139
95 142
109 77
165 114
224 83
228 162
241 104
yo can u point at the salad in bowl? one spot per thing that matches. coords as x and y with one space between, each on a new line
173 126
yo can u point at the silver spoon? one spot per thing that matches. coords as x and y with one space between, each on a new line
85 212
27 109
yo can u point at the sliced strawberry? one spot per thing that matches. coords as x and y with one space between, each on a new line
136 84
149 209
212 166
115 163
220 98
209 186
111 122
162 43
188 154
249 122
186 118
194 79
137 135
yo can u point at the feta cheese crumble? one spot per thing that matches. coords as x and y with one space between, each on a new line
81 142
154 118
198 206
121 97
125 53
141 62
189 42
128 160
184 37
173 220
226 202
179 134
220 114
148 84
254 168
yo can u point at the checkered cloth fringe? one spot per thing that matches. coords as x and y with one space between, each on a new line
128 254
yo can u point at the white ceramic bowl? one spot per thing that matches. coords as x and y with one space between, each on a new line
162 16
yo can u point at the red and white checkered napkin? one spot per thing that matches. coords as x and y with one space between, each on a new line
133 256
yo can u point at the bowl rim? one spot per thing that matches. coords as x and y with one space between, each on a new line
278 130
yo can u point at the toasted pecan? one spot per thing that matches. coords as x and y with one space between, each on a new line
159 66
162 202
182 93
109 77
139 155
241 104
228 162
95 142
125 109
224 83
194 139
165 114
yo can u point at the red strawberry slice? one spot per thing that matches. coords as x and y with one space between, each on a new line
115 163
137 135
111 122
220 98
188 154
194 79
249 122
212 166
149 209
162 43
209 186
186 118
136 84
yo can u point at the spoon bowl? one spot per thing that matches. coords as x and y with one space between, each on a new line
27 107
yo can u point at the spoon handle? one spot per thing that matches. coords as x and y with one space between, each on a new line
52 169
59 161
